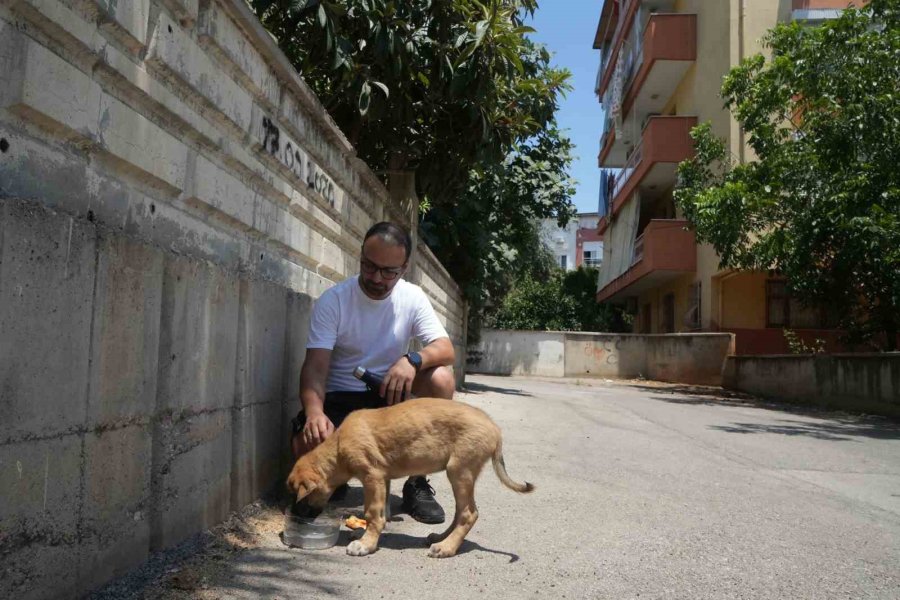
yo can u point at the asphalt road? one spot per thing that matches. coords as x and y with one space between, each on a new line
643 491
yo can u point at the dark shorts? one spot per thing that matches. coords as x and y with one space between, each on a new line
340 404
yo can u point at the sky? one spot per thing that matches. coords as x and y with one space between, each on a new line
566 28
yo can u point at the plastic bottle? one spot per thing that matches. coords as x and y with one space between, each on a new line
372 380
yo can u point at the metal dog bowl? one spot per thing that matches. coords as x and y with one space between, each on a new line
311 532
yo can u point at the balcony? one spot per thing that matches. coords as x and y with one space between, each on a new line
630 24
652 72
665 142
820 10
668 49
603 39
665 250
622 20
814 4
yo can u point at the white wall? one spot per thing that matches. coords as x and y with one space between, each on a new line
683 358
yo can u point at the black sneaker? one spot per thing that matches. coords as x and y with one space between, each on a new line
419 502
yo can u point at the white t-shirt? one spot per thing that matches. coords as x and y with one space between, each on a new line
369 333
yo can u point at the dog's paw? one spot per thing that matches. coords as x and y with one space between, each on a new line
440 551
356 548
434 538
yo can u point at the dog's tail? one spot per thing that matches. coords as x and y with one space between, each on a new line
500 470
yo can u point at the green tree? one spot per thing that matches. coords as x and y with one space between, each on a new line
560 301
432 86
454 92
537 306
581 286
491 233
821 204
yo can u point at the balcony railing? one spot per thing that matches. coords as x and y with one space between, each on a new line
824 4
633 52
630 166
607 130
638 253
666 248
623 21
608 58
662 54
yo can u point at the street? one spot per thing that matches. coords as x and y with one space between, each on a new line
644 490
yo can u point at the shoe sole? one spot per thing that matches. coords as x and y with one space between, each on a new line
423 519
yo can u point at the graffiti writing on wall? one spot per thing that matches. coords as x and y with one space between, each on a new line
605 352
288 152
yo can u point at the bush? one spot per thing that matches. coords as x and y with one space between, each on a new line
537 305
565 301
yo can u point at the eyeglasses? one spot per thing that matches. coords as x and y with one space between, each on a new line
388 273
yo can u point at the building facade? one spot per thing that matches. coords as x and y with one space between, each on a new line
578 243
661 69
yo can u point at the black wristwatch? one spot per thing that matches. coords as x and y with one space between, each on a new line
415 359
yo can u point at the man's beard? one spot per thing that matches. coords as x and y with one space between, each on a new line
374 289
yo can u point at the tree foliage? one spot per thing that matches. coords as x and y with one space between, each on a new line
581 286
562 301
537 305
491 233
430 85
821 204
454 91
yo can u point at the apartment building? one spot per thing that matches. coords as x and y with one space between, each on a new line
661 69
576 244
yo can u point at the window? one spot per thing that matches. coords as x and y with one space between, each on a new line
784 311
562 260
592 258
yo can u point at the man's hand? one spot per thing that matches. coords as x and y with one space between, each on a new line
312 396
317 428
397 384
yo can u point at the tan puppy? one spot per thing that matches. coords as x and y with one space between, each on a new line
426 435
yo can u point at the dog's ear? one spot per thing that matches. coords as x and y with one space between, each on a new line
300 481
305 488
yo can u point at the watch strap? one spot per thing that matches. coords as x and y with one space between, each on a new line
415 359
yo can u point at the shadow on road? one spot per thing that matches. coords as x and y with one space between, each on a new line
838 431
479 388
698 394
829 425
267 573
402 541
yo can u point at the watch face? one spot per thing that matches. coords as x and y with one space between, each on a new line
415 359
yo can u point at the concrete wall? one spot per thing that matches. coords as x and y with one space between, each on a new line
863 382
502 352
684 358
172 200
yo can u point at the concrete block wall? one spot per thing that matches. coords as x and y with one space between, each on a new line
683 358
857 382
507 352
173 198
